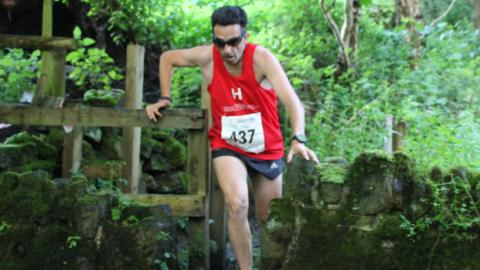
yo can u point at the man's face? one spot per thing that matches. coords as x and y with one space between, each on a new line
9 4
230 41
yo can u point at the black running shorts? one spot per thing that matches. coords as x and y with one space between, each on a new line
269 168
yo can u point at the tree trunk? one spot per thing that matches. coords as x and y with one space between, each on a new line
347 38
408 11
477 14
349 34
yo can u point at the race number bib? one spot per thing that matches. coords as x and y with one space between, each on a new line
244 132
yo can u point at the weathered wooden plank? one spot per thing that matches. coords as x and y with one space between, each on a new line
72 151
47 18
389 130
37 42
198 169
399 134
52 74
101 117
218 229
181 205
218 213
133 100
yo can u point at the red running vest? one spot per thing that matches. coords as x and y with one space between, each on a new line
242 107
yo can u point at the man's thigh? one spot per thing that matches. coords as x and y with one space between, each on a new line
232 177
265 190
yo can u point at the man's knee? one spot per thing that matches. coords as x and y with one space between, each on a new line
261 213
237 208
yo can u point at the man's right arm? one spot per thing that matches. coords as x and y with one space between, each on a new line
197 56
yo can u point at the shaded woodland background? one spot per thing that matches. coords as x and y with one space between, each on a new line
351 62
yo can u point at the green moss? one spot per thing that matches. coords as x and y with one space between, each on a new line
175 152
377 163
404 167
47 166
27 196
43 149
332 173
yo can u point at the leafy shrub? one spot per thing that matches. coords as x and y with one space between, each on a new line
455 213
18 74
93 70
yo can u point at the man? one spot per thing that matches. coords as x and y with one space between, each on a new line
244 81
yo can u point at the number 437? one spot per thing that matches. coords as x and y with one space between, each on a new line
242 136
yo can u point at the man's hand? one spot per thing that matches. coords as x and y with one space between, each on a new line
300 148
153 110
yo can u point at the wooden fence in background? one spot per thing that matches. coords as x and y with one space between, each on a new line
204 201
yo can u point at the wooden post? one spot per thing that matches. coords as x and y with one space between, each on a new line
199 170
47 19
218 214
389 131
133 100
218 228
72 151
52 72
477 14
399 135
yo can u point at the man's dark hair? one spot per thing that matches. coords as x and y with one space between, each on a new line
229 15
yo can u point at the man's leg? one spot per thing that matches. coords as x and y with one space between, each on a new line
265 190
232 177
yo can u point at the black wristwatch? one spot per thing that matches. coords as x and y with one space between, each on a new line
300 137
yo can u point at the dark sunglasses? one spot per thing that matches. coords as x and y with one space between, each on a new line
220 43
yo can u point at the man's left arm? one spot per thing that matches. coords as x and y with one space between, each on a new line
273 71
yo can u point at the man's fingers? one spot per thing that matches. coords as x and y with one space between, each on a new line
154 112
158 113
149 114
313 155
289 156
305 155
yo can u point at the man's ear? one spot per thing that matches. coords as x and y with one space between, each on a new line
247 35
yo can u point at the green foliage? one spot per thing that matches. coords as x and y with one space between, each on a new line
432 9
454 211
147 21
186 87
18 74
123 202
93 68
72 241
162 236
438 100
4 227
106 97
331 172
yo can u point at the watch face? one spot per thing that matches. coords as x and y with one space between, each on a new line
300 137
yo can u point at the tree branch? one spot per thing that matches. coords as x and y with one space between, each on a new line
334 27
444 14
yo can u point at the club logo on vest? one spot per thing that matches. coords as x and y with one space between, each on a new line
237 94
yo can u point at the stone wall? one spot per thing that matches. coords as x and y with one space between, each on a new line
349 216
57 224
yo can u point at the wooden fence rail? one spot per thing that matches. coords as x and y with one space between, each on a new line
37 42
100 117
195 204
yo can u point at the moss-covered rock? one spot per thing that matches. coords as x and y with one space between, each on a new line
371 231
145 245
371 178
25 152
26 196
47 224
301 177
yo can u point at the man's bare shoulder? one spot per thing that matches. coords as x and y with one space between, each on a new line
263 58
196 56
202 54
204 51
